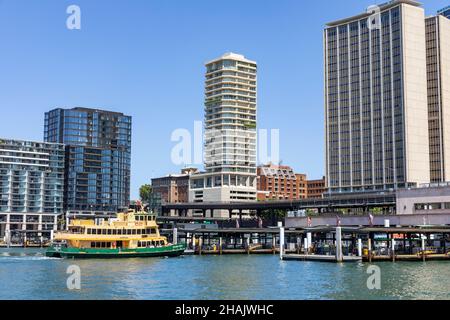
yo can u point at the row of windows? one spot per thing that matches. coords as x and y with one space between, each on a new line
146 231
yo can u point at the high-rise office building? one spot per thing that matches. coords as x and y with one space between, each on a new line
98 153
230 132
31 188
376 100
438 78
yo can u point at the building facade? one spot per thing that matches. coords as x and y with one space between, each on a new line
376 110
280 183
173 188
438 78
98 156
316 188
31 189
230 132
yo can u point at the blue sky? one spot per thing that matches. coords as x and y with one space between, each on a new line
146 58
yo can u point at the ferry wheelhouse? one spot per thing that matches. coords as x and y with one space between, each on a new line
130 235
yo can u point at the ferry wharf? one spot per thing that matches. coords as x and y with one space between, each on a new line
323 243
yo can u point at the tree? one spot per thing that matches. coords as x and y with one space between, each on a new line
273 215
145 192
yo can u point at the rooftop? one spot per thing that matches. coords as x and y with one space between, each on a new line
384 6
231 56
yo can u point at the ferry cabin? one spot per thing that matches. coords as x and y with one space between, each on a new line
129 231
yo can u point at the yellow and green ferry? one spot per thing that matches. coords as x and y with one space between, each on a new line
130 235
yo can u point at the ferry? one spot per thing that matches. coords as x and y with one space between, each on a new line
131 235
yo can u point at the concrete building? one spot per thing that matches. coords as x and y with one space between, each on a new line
280 183
438 78
173 188
230 132
315 188
98 157
376 110
428 199
31 189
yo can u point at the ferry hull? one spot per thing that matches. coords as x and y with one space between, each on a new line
74 253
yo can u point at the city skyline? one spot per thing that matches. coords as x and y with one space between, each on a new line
82 69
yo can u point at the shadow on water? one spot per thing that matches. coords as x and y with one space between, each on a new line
30 275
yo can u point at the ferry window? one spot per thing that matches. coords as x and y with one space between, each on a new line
134 231
109 231
103 245
139 231
104 231
114 232
139 244
89 231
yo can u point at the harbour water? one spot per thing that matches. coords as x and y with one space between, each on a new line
28 274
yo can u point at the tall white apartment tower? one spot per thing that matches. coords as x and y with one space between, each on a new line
230 132
376 109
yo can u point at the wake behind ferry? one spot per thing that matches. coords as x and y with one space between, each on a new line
130 235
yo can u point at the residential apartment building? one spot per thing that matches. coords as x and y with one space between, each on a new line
98 156
31 189
280 183
230 132
315 188
438 79
376 109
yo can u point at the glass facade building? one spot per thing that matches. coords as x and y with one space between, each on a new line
98 156
376 100
445 12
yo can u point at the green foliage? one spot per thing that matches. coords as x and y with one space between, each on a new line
145 192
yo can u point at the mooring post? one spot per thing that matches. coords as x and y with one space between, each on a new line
369 245
305 244
360 253
309 237
423 249
175 236
280 224
339 255
247 240
8 237
274 243
393 248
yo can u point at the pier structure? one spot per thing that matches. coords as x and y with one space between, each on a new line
323 243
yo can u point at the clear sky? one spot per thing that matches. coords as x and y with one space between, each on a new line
146 58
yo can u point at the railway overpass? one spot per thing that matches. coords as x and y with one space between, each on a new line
362 202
